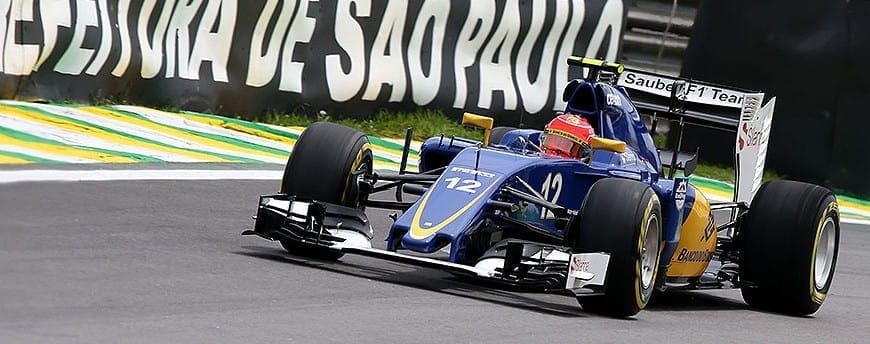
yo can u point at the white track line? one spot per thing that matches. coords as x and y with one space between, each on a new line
7 177
855 221
21 176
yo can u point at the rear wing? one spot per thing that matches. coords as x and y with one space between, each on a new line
713 106
702 104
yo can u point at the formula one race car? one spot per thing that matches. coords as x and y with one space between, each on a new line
611 226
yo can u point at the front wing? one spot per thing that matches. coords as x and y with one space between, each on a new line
527 266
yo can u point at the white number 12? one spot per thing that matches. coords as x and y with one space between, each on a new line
552 182
468 185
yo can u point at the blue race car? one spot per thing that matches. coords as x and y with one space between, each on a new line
607 221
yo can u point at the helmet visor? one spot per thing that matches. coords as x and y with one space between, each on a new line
564 146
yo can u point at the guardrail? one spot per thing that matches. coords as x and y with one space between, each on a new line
657 33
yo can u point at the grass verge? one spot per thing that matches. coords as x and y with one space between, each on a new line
425 123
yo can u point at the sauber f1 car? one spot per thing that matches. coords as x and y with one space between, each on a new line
612 228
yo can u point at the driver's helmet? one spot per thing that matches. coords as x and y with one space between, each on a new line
567 136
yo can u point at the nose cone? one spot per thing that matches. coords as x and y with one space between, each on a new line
450 207
428 244
455 203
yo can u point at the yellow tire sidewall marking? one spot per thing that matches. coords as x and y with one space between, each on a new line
353 167
831 211
638 283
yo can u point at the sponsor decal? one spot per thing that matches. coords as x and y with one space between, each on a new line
687 256
629 157
587 269
750 131
680 193
749 135
472 172
578 264
710 230
662 86
572 120
751 145
613 99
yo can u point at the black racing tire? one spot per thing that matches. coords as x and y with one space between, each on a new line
624 218
497 133
325 163
790 242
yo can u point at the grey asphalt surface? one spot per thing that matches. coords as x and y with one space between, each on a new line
161 262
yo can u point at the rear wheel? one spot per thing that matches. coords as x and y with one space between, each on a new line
326 165
621 217
790 241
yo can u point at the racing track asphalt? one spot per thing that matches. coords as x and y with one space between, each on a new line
162 261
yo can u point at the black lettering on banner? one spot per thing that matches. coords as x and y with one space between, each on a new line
54 16
347 56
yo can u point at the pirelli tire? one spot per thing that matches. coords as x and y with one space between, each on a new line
326 163
621 217
790 242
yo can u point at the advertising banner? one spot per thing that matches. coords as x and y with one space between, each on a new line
348 57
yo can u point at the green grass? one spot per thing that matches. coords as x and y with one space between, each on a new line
429 123
425 124
718 172
726 174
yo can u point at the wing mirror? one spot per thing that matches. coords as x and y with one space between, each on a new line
607 144
479 121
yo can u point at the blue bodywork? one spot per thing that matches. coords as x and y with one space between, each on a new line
454 208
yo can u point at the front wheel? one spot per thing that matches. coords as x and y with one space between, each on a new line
326 165
790 240
624 218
